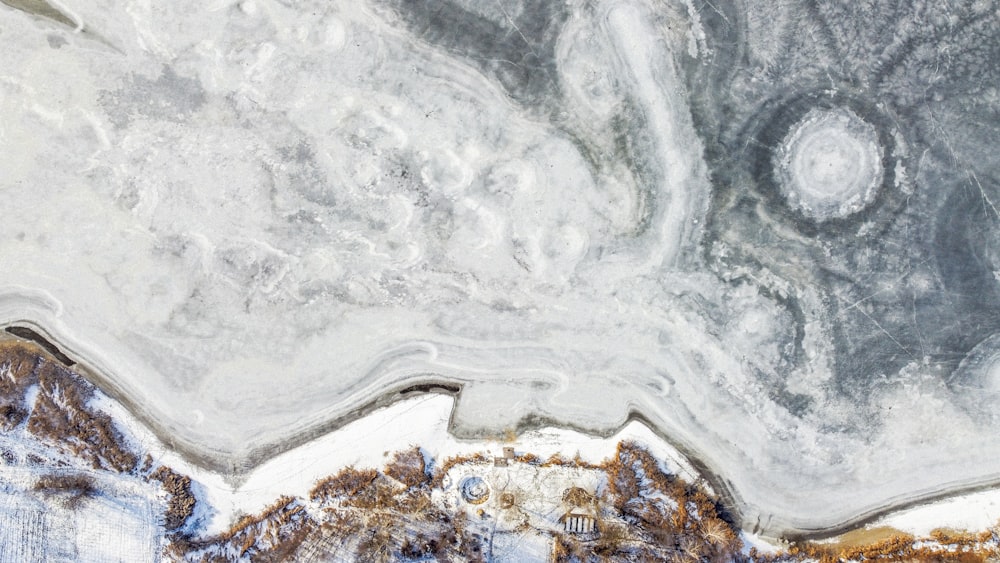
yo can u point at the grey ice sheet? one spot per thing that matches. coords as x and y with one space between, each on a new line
770 228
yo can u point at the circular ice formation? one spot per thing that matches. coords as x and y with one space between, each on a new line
475 490
830 164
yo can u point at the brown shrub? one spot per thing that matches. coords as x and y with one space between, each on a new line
18 364
575 496
953 537
286 547
366 535
180 505
529 458
420 547
379 494
446 466
688 528
273 535
347 483
612 541
623 481
955 547
417 501
60 416
76 486
11 416
507 499
68 482
278 513
409 468
562 549
376 545
719 535
556 460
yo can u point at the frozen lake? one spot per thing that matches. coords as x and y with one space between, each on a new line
766 228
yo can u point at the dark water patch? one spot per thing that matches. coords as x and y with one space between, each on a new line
30 335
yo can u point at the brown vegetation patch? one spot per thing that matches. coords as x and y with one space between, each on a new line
556 460
575 496
348 482
18 364
273 535
74 485
180 505
60 415
507 500
866 536
942 546
17 374
385 522
949 536
671 519
409 468
529 458
11 416
446 466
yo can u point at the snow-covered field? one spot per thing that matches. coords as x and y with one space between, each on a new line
65 511
254 221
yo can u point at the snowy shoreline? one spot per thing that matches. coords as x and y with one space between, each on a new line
423 418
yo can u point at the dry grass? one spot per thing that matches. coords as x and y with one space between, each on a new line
575 496
529 458
405 526
60 415
347 483
18 364
556 460
11 416
180 504
958 537
275 534
18 367
961 548
446 466
613 541
409 468
76 487
507 500
687 527
370 515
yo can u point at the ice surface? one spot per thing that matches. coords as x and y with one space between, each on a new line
255 221
830 165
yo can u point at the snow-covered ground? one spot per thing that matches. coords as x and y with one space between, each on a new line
423 422
370 442
111 517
